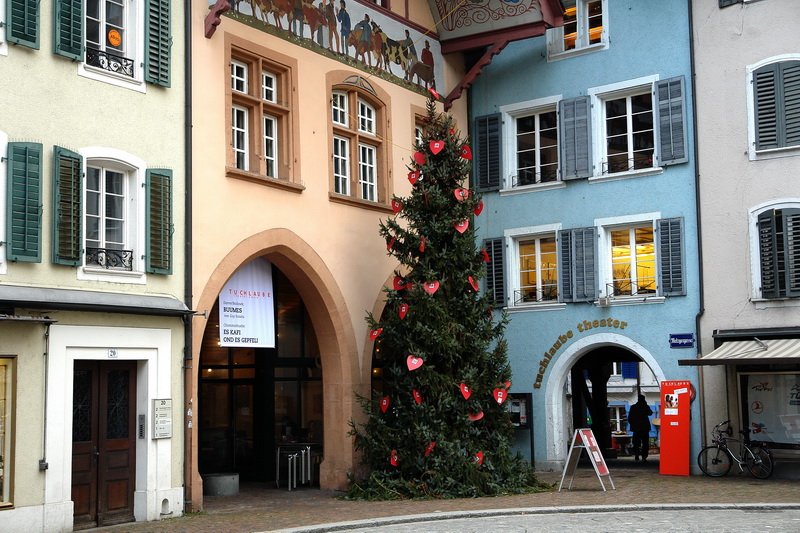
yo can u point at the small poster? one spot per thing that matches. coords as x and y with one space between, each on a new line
247 307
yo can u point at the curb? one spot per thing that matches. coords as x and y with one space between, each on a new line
489 513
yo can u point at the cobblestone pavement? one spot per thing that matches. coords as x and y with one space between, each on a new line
261 507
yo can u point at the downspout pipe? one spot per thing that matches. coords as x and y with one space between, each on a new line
188 386
698 215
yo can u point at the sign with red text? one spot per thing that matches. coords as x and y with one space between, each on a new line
675 423
584 440
247 307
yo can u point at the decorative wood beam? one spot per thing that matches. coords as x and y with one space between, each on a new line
213 18
475 71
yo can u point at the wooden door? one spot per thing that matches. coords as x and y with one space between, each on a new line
103 442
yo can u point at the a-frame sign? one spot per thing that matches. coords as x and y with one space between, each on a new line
584 440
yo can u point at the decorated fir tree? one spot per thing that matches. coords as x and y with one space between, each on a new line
440 426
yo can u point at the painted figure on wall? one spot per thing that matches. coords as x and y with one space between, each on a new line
344 24
333 34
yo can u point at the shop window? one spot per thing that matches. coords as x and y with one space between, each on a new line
7 397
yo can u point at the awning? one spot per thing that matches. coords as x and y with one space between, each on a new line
751 352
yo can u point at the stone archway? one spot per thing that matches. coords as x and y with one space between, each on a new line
555 402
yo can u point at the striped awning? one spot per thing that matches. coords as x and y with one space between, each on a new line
750 352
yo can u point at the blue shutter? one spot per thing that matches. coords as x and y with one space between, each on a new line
670 97
574 133
495 281
67 212
487 152
159 229
22 22
670 257
158 42
578 264
68 29
24 205
630 369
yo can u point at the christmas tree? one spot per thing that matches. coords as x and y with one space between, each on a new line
440 426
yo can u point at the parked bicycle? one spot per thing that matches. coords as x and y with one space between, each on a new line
716 459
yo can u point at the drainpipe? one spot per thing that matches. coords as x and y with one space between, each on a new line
701 293
188 382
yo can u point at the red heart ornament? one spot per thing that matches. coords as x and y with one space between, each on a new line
465 392
436 147
402 311
500 395
485 254
431 287
397 206
375 333
413 362
390 243
475 416
461 194
479 458
398 283
422 241
508 385
473 283
393 458
417 396
385 401
466 152
413 176
462 226
478 209
429 448
419 158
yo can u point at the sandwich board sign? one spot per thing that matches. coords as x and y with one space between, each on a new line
584 440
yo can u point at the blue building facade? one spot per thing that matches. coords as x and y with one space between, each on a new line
584 156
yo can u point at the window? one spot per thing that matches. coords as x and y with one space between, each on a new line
775 105
633 260
618 417
106 232
261 122
7 396
121 42
585 28
629 133
532 151
778 231
537 277
358 150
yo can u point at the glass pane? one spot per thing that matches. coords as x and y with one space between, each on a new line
215 373
548 258
286 412
244 356
92 203
526 141
547 120
287 372
115 182
616 108
117 414
214 415
92 232
93 32
113 232
311 430
526 124
93 179
642 103
81 406
213 355
290 317
244 373
617 126
6 423
243 426
114 14
114 206
93 8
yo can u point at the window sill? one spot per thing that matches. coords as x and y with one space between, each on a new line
357 202
524 308
774 153
626 175
536 187
86 273
632 300
286 185
558 56
775 303
117 80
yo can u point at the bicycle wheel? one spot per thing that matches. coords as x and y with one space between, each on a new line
759 462
714 461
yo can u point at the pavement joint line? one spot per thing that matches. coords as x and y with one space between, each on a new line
489 513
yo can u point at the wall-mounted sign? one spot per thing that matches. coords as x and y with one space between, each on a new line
246 307
162 418
681 340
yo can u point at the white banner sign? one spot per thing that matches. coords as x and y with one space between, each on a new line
774 407
246 307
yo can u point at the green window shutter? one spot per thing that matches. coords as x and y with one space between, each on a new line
790 78
67 196
22 22
495 281
574 132
791 231
670 96
578 264
24 209
765 93
68 29
726 3
779 252
670 257
767 251
158 233
487 152
157 42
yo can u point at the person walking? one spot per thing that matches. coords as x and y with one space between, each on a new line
639 422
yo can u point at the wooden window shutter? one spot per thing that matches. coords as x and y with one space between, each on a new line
765 94
67 197
726 3
22 22
791 232
768 254
159 230
578 264
574 131
24 209
670 257
158 42
790 91
68 29
487 152
670 98
495 281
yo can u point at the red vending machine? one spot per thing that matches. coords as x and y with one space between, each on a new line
675 423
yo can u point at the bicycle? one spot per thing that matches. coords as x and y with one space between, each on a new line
716 459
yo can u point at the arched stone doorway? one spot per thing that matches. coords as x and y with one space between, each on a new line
566 404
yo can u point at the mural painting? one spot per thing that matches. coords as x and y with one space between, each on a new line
352 33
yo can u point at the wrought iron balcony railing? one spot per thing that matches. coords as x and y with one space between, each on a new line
110 258
531 295
110 62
